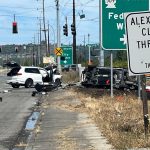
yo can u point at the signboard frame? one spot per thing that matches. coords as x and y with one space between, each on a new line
135 46
117 8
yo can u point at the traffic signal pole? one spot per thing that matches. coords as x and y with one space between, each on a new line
74 35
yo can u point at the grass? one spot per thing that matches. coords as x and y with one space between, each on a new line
120 119
70 77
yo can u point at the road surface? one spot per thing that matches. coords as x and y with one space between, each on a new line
15 108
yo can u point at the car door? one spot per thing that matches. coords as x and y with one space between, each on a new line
34 74
44 74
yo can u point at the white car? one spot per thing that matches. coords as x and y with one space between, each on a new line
29 76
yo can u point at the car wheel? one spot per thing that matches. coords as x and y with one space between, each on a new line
57 82
15 86
28 83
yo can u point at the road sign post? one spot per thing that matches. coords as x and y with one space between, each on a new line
112 21
68 55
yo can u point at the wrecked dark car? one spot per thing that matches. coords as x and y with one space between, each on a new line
94 76
123 80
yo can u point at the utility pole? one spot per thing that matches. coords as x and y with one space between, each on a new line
101 55
74 35
33 52
88 38
58 33
89 62
48 40
40 45
44 26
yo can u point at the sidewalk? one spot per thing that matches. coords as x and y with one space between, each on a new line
62 127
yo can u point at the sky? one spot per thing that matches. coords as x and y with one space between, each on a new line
28 14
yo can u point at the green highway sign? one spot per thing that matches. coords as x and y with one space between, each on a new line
67 55
112 21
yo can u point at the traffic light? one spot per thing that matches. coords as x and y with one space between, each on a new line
0 49
65 29
73 29
15 28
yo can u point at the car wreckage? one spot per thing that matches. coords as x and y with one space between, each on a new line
94 76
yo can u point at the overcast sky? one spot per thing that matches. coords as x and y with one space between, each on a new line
28 14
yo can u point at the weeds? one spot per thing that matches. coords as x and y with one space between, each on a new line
70 77
120 119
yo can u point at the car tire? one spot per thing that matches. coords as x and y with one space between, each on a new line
15 85
57 82
28 83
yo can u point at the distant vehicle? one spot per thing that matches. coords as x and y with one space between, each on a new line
65 68
69 67
28 76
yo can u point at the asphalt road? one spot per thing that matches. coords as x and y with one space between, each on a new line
15 108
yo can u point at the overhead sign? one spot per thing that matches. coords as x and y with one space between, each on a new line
58 51
67 55
138 42
112 21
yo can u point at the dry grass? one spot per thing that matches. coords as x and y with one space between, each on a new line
70 77
120 119
64 142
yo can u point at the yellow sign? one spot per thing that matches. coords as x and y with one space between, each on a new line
58 51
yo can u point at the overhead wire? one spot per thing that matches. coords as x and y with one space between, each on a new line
63 11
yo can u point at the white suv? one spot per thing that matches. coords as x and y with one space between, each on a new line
27 76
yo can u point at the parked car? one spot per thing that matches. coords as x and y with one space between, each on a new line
27 76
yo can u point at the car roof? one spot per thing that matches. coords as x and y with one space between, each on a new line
31 67
34 67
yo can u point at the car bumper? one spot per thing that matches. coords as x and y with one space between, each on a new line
11 82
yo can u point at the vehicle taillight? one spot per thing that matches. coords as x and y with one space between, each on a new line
107 82
18 74
147 90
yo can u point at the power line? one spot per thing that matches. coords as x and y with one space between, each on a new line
32 8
